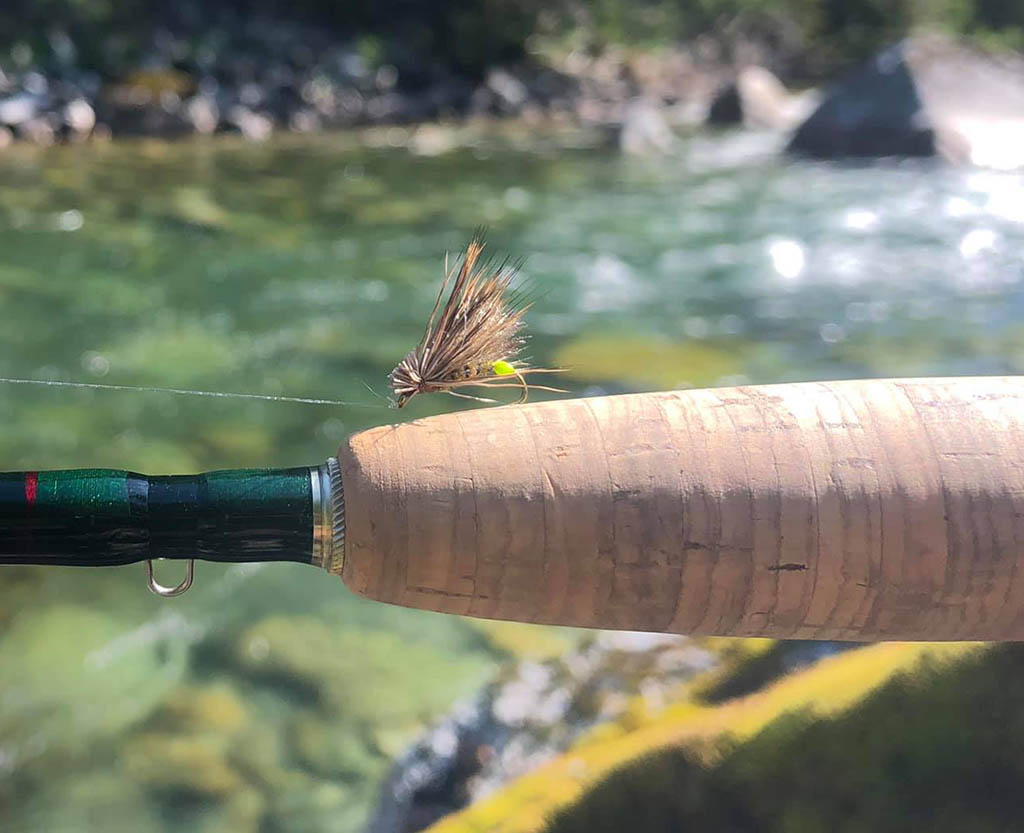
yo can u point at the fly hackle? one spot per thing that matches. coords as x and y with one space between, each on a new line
474 334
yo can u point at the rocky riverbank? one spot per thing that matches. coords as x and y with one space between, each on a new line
71 69
255 76
270 77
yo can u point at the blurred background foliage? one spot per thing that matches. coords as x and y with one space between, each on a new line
813 38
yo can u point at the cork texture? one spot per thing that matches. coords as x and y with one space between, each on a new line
861 510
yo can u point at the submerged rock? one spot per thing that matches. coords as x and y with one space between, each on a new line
93 801
184 746
329 749
926 96
73 679
644 130
200 709
194 765
351 678
535 711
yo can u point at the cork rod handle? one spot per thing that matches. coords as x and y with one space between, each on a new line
889 509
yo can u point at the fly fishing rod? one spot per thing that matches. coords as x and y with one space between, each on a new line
858 510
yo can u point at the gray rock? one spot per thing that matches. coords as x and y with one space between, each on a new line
644 130
20 108
756 98
767 102
79 116
305 121
509 90
926 96
38 130
202 112
254 126
35 83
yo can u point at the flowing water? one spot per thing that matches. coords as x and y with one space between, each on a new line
269 698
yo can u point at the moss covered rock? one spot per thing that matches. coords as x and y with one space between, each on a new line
646 360
652 753
358 677
74 677
91 801
935 746
197 709
332 751
190 765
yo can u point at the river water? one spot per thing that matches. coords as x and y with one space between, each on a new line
270 698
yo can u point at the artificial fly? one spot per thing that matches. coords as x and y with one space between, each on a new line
477 338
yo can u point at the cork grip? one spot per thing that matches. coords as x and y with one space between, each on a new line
890 509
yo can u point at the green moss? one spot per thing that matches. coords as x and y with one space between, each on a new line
644 360
194 765
200 709
73 678
310 806
702 735
260 753
937 747
331 750
360 677
523 641
751 669
244 811
99 800
194 204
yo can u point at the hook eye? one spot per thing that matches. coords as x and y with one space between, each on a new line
170 592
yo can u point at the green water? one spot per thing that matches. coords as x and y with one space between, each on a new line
269 698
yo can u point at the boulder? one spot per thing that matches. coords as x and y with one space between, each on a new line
21 108
79 117
644 130
925 96
756 98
